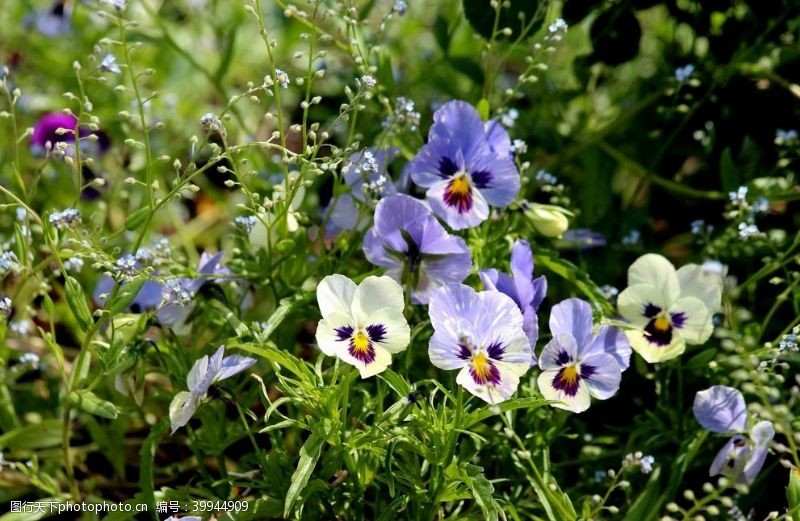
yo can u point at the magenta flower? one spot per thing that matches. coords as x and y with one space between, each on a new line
466 166
520 285
46 130
481 335
415 248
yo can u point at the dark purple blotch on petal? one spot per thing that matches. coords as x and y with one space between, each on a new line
365 356
661 337
481 179
490 375
563 358
567 381
376 332
651 310
464 352
344 332
447 167
496 351
678 319
587 371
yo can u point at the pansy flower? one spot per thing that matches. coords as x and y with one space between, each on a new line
180 292
465 167
578 365
414 247
520 285
668 316
203 374
721 409
365 179
481 335
362 324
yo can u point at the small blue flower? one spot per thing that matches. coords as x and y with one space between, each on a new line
65 219
739 196
682 74
748 230
8 263
5 306
631 238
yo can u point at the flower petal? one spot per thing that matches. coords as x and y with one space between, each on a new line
506 385
654 352
449 345
658 272
638 303
550 391
234 364
461 212
731 458
601 374
388 328
720 409
613 341
691 319
334 332
561 350
181 409
381 360
497 178
376 293
454 300
572 317
704 284
335 294
458 121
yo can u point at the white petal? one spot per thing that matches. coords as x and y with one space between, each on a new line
635 298
762 433
382 360
697 326
578 403
654 353
397 334
656 271
376 293
703 284
181 409
328 339
493 394
335 293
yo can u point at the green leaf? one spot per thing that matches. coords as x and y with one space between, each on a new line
137 218
20 245
509 405
729 173
146 458
793 491
77 303
309 454
36 436
125 295
88 401
441 33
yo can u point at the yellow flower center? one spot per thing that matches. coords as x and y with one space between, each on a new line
569 375
481 366
661 323
459 186
361 342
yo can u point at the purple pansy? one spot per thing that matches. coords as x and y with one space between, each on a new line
520 285
722 410
578 365
203 374
481 334
182 291
47 128
365 179
414 247
466 166
582 239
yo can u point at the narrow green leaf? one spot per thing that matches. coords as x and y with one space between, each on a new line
441 33
77 303
483 109
88 401
126 295
137 218
729 173
309 454
793 491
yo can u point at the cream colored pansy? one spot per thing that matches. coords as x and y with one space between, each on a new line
671 308
362 324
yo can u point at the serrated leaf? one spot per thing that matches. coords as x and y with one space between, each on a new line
89 402
309 454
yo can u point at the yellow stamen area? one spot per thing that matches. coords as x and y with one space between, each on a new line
459 186
361 342
569 375
661 323
481 366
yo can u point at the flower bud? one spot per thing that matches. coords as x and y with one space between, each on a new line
548 220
